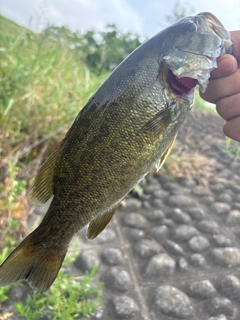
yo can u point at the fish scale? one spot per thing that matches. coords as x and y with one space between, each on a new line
127 127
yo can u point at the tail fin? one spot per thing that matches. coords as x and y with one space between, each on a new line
34 263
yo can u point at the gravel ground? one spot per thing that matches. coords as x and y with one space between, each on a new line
174 253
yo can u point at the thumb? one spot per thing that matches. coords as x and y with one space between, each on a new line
227 64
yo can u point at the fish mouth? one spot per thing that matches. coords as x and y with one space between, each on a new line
181 86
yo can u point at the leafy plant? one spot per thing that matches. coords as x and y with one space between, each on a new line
100 51
3 290
69 297
8 243
66 299
11 189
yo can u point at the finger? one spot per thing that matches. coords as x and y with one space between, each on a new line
226 65
232 128
229 107
235 37
219 88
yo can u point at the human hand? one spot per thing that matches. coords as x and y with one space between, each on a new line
224 89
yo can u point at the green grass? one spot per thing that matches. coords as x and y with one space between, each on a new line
9 241
202 105
232 148
11 30
69 297
66 299
43 86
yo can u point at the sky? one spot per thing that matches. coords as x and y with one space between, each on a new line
145 17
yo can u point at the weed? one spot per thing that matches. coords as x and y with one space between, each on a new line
12 189
8 243
66 299
13 212
69 297
232 148
43 86
202 105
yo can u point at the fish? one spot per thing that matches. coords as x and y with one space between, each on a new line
126 128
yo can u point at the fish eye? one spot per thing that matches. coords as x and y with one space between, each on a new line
190 26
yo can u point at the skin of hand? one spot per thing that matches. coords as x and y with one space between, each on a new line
224 89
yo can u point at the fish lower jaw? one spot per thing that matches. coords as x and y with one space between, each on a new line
189 97
183 87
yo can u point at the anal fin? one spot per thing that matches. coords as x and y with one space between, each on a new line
98 224
161 161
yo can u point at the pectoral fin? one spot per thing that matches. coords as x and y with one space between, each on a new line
160 121
43 185
99 224
161 161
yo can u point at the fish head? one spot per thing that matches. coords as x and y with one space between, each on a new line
198 42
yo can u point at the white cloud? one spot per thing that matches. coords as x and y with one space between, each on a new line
141 16
84 14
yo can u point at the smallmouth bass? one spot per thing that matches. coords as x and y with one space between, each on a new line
128 126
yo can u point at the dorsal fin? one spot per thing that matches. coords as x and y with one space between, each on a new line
98 224
43 184
161 161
